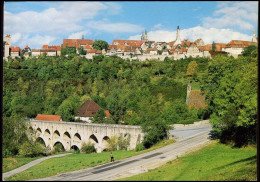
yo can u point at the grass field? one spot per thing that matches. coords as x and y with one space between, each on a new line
74 162
215 162
12 163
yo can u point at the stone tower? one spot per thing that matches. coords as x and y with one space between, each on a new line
144 36
7 40
178 38
254 39
188 93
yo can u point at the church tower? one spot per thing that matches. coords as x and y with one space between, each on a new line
254 39
178 38
144 36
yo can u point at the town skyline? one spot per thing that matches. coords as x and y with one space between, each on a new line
118 20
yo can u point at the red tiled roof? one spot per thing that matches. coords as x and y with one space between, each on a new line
98 51
107 113
187 42
136 43
91 51
88 109
8 35
27 47
46 117
87 47
53 47
15 49
184 49
76 42
112 46
36 50
237 43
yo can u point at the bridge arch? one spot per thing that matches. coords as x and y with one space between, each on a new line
47 132
58 147
41 141
66 135
39 130
105 142
93 139
77 137
74 148
56 134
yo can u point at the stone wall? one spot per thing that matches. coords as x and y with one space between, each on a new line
195 124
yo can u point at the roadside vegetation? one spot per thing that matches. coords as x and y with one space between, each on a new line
76 161
215 162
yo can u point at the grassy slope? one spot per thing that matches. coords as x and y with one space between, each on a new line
214 162
74 162
12 163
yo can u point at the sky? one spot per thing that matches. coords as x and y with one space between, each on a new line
35 23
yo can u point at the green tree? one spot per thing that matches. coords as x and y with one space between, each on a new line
81 51
213 47
231 86
192 68
250 51
100 45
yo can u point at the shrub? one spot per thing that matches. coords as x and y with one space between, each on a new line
123 143
113 143
59 148
139 147
88 148
28 149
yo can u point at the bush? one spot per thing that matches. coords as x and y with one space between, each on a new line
59 148
139 147
88 148
113 143
28 149
123 143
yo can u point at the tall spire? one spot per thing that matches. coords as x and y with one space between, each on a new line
82 36
254 39
178 38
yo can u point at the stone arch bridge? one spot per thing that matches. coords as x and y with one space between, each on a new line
74 134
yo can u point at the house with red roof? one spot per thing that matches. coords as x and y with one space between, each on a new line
14 52
87 110
76 43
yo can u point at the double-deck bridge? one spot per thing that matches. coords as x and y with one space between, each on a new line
73 134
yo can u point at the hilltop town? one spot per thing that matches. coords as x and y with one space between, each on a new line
136 49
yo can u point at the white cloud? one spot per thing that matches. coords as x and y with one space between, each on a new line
16 37
242 15
208 35
64 18
157 26
78 35
114 27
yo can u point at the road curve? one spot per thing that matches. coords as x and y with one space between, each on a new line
137 164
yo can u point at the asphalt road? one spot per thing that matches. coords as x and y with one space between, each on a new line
188 139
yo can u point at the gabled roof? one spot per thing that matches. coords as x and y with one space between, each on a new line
136 43
88 109
237 43
15 49
76 42
46 117
87 47
91 51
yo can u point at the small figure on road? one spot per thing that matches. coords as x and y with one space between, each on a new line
112 157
